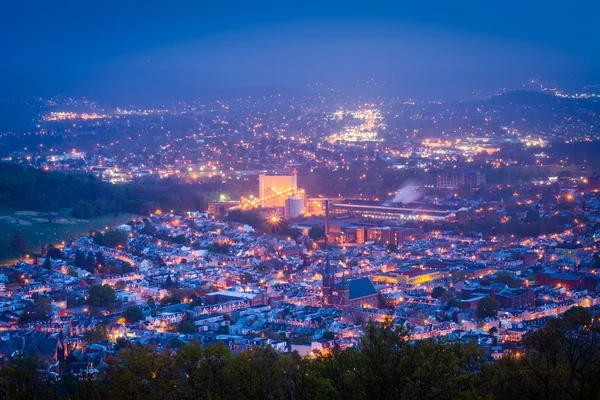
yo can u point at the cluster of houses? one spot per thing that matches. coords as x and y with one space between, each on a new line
196 277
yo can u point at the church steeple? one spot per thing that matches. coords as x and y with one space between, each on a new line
343 291
328 282
343 283
327 269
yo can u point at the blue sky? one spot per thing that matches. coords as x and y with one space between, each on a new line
79 43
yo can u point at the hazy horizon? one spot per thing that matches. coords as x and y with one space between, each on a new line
152 51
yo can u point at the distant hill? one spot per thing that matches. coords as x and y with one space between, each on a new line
532 99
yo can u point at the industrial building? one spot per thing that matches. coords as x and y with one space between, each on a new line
459 179
274 189
395 211
294 206
315 206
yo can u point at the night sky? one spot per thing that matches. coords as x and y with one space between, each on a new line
62 46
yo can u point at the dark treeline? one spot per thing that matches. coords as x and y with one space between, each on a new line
560 361
25 188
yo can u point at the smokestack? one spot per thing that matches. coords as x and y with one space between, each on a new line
326 216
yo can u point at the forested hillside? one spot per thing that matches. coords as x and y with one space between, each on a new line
24 188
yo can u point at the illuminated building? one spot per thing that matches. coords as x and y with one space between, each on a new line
416 276
294 206
394 211
393 235
341 237
360 235
274 189
399 235
567 281
458 179
315 206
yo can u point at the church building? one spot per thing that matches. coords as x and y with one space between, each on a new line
347 293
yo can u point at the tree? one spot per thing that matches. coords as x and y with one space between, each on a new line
260 374
293 233
47 263
133 314
121 285
51 216
508 280
596 259
328 335
487 307
180 239
187 327
98 334
485 282
100 261
151 303
220 248
448 297
83 210
40 310
558 363
533 215
115 238
55 253
98 238
211 372
250 217
21 379
578 316
101 295
316 233
19 243
79 259
381 360
90 262
148 229
246 278
437 292
141 372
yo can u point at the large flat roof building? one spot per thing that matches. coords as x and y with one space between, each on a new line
274 189
459 179
395 211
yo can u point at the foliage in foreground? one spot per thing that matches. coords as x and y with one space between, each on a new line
561 362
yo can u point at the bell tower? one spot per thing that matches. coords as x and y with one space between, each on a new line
343 290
